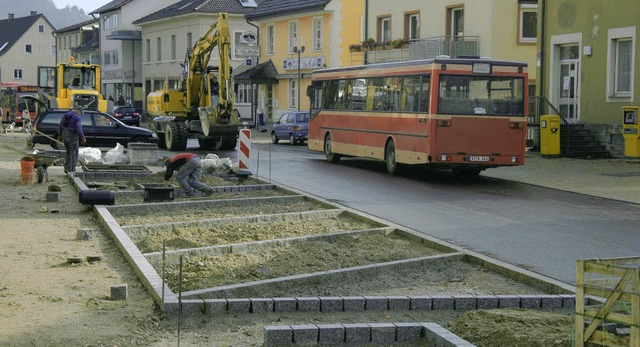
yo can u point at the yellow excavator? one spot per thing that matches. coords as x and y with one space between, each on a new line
75 84
203 107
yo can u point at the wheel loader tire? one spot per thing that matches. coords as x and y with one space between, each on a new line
229 142
206 143
176 135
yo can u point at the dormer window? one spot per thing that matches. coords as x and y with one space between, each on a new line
248 3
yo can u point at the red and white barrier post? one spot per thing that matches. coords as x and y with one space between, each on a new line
245 149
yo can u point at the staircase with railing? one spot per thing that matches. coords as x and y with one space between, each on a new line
576 140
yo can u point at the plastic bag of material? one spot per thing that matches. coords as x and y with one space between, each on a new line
116 156
89 155
214 165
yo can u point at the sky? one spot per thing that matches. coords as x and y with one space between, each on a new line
86 5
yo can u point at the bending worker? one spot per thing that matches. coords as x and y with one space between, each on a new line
189 169
70 131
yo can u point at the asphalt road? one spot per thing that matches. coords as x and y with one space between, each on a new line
536 228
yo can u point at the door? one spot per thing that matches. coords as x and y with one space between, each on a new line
569 82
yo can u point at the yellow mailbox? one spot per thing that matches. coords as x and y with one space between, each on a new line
630 132
550 135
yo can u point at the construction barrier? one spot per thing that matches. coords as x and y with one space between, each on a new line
245 149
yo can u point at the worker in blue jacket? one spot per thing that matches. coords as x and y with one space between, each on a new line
71 134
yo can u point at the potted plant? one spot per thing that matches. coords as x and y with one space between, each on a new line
369 44
355 47
399 43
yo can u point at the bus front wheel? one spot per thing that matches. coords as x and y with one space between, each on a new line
328 151
390 158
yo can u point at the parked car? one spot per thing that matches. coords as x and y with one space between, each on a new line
100 130
293 126
127 115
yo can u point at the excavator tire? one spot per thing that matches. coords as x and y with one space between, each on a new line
228 142
207 143
176 136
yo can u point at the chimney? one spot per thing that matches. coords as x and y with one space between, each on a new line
11 15
33 13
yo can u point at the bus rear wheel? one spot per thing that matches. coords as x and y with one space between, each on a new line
390 158
328 151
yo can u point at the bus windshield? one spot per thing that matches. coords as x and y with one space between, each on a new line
481 95
80 77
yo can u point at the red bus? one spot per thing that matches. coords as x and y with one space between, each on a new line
463 114
12 103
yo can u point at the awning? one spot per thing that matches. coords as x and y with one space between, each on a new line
264 73
125 35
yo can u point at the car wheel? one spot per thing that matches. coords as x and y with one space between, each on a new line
138 139
274 138
57 145
328 151
292 141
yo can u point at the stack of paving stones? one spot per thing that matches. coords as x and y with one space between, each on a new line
363 333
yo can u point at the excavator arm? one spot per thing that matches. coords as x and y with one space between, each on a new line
198 86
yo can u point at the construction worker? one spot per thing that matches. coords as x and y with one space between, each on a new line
71 134
189 170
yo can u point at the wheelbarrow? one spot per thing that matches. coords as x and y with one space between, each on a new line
42 162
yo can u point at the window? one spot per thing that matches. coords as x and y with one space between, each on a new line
620 65
384 29
76 41
28 48
293 35
53 49
173 47
244 94
17 74
147 53
271 38
189 40
455 21
317 34
110 21
293 93
248 3
528 23
40 28
60 43
64 40
158 49
237 35
412 26
110 58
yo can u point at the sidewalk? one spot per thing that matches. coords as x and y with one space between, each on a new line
616 178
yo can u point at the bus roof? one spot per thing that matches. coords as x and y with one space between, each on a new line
437 60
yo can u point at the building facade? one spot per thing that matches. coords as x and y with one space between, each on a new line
121 48
298 37
25 43
168 34
500 29
80 41
589 61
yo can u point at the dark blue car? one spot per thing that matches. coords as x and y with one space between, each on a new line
293 126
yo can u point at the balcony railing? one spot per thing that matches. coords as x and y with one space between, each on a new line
427 48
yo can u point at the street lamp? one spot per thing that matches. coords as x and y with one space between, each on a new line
298 51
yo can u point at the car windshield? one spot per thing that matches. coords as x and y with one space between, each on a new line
125 110
302 118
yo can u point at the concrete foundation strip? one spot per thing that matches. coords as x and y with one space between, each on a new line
152 281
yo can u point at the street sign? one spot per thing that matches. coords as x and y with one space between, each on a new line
247 51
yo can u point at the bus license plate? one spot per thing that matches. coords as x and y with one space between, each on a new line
478 158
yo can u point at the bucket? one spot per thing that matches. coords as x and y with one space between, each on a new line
97 197
26 170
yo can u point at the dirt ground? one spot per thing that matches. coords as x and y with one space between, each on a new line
45 301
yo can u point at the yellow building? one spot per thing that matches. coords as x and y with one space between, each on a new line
297 37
